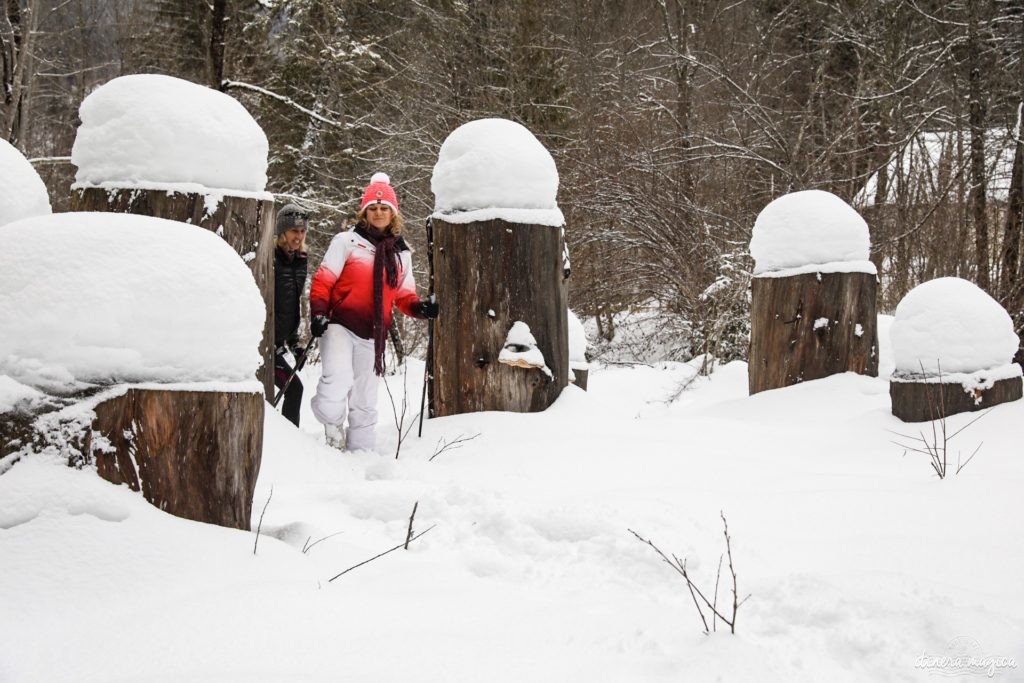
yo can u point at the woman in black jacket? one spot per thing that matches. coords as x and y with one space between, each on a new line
289 282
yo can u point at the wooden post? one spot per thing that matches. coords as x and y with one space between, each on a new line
812 325
193 454
920 401
488 275
244 223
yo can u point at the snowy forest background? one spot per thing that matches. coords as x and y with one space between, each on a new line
672 123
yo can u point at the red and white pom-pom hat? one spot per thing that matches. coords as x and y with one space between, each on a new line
379 191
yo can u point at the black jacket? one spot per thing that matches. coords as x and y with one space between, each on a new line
289 281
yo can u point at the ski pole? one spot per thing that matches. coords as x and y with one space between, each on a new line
426 368
429 229
299 363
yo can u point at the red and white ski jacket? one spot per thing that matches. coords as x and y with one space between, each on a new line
342 288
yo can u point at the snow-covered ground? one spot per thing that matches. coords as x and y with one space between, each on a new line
861 565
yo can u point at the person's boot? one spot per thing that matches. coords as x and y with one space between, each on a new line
335 436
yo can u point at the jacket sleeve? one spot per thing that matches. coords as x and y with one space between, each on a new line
406 297
326 275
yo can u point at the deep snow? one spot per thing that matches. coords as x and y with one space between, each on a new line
810 228
103 298
22 192
159 132
495 169
859 561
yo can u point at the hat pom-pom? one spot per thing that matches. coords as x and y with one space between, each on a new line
380 177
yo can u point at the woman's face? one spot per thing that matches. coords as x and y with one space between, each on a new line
378 216
293 238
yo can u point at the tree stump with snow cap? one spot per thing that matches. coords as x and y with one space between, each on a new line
106 367
160 146
501 340
953 346
813 294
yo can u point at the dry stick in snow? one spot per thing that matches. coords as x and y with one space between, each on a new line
443 445
307 546
937 446
400 416
391 550
260 524
408 535
680 567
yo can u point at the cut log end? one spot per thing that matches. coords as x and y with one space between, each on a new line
926 401
193 454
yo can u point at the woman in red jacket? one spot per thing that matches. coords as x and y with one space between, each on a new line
365 273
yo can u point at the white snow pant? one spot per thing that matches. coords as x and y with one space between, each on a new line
347 386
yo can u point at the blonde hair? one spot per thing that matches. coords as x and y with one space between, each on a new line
395 227
282 241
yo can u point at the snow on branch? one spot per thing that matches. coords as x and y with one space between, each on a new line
286 100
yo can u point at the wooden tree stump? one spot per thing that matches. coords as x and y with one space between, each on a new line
194 454
487 276
246 224
925 401
810 326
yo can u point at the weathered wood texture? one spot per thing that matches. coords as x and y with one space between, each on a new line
926 401
487 276
246 224
193 454
581 378
790 343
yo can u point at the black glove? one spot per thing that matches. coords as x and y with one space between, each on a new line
318 325
426 309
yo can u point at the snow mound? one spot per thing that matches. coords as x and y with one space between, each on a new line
808 228
952 325
102 298
495 169
577 342
22 191
152 131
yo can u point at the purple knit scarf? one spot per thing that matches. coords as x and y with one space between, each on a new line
385 260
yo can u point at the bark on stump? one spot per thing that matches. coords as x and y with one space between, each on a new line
810 326
244 223
487 276
926 401
194 454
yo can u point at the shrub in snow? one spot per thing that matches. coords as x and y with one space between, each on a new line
101 298
810 228
158 132
22 192
495 169
951 325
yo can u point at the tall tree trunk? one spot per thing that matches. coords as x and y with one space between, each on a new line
1012 283
977 112
217 31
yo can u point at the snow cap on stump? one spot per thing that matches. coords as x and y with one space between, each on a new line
159 132
126 299
950 325
810 231
495 169
22 192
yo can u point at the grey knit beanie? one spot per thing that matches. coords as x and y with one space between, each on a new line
291 216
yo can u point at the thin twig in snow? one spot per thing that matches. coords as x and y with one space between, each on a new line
260 524
391 550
